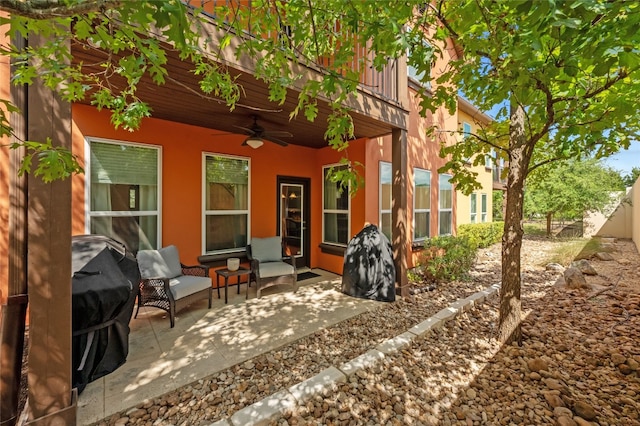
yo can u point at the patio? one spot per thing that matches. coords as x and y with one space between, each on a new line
205 341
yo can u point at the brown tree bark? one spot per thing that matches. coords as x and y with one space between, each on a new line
519 158
549 215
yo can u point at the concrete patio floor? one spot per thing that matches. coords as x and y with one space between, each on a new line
205 341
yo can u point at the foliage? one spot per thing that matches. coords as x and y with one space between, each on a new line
447 258
565 78
498 203
573 249
570 189
137 35
565 73
537 229
632 177
482 235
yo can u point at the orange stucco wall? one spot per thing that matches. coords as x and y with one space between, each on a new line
182 149
423 153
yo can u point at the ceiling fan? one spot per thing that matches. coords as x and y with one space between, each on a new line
258 134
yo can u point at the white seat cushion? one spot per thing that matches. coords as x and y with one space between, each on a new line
185 285
274 269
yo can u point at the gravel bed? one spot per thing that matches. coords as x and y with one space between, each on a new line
458 375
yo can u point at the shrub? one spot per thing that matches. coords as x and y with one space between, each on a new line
447 258
482 234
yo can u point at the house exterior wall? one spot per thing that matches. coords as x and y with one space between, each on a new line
635 220
484 178
423 153
181 179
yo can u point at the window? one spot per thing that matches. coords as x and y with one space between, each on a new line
124 200
445 204
335 209
421 204
418 71
226 203
385 199
466 130
489 160
483 216
474 207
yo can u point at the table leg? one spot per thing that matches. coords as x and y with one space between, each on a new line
226 287
239 276
246 297
218 284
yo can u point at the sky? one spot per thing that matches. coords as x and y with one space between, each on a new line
625 160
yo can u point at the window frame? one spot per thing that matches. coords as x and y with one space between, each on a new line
483 207
89 213
440 208
203 229
382 211
412 72
473 207
335 211
416 210
466 133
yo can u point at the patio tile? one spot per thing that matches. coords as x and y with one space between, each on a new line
206 341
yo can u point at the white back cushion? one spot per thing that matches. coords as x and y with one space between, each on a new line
266 249
163 263
152 264
172 259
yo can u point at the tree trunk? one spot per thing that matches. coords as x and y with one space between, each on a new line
519 158
549 224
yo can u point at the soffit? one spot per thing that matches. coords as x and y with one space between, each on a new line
181 100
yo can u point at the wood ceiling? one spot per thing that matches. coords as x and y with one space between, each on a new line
181 100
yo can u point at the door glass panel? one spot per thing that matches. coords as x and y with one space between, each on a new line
291 218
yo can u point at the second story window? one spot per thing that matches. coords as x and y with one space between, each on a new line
419 63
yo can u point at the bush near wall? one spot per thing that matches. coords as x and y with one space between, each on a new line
447 258
482 235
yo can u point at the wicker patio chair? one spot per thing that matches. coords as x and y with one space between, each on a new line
168 284
269 265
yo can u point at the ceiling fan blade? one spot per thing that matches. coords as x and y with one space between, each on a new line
247 130
276 141
278 133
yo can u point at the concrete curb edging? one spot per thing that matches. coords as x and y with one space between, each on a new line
271 407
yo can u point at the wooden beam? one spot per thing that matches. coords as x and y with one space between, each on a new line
14 312
49 267
399 209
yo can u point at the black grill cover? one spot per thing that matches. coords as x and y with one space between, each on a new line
369 271
103 295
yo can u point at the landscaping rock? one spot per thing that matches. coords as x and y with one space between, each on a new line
575 279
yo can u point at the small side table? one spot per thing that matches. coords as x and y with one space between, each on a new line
226 274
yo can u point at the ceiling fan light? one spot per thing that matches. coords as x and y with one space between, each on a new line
254 142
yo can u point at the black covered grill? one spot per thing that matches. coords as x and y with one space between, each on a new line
369 271
104 289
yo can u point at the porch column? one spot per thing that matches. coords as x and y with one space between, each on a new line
15 309
49 267
399 213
